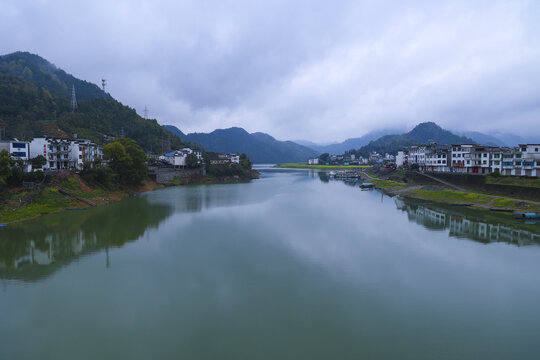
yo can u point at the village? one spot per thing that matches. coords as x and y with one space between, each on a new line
72 154
522 160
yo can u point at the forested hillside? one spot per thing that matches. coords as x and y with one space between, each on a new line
423 133
35 101
260 147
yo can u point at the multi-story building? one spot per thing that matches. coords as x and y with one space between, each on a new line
402 158
18 150
417 155
523 160
65 153
530 159
438 160
459 151
178 157
478 160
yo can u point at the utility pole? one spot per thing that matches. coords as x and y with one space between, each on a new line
73 99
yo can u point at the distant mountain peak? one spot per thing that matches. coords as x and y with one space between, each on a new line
260 147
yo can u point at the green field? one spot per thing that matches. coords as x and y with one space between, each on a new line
322 167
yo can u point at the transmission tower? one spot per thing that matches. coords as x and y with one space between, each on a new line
103 83
145 112
73 100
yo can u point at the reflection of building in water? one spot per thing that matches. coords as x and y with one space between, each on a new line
462 226
51 248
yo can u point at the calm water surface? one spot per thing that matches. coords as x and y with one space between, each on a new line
290 266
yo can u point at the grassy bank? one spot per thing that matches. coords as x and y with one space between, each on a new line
447 196
322 167
20 204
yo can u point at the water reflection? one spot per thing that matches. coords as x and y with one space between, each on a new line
470 224
33 250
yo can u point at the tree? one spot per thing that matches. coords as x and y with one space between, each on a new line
38 162
192 161
139 169
324 157
5 167
127 160
245 162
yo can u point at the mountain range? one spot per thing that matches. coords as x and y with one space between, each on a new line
260 147
492 139
35 101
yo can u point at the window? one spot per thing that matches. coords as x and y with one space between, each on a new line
80 157
497 162
468 162
535 149
51 164
524 149
496 156
518 156
458 155
518 163
484 162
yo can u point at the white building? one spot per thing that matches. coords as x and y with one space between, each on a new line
402 158
18 150
437 160
65 153
313 161
178 157
458 157
530 159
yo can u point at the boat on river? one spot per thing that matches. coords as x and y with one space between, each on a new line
528 216
344 174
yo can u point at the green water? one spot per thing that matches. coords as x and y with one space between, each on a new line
290 266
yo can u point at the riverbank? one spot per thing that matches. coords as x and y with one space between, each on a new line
70 192
445 195
321 167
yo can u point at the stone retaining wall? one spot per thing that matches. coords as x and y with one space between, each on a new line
167 175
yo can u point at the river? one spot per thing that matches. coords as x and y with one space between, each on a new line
290 266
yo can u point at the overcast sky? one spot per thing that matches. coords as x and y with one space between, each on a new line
315 70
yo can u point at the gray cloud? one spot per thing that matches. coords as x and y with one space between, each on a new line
307 69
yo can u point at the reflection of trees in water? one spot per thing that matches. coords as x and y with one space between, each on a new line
463 225
35 249
323 176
